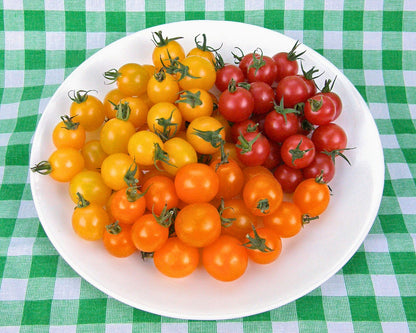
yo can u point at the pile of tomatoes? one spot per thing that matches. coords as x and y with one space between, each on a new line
199 161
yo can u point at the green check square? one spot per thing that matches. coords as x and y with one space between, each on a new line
95 21
396 94
195 15
235 15
35 40
32 93
54 20
17 155
7 225
11 192
293 20
313 20
2 265
202 326
194 5
34 20
143 316
392 20
44 266
115 21
264 316
403 262
14 311
353 59
363 308
69 307
274 19
356 265
118 312
73 58
135 21
388 190
40 288
17 267
392 224
35 59
402 126
409 155
75 21
409 305
353 20
92 311
36 312
336 308
310 308
155 18
176 16
392 59
284 313
13 20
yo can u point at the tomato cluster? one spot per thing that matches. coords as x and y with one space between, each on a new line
192 157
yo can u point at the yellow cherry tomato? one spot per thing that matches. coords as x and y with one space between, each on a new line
111 99
86 109
162 87
131 79
205 134
166 49
201 73
68 134
164 119
194 103
142 147
115 167
115 135
180 153
93 155
91 186
138 110
203 50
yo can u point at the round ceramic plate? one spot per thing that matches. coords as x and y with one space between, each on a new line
307 260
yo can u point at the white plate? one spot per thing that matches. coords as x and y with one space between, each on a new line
307 260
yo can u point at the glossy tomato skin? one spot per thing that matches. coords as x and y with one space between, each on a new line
337 101
119 244
132 79
272 242
293 89
278 127
176 259
263 95
262 194
322 163
225 259
257 153
226 73
63 137
89 222
124 210
91 186
196 182
298 151
266 72
89 113
202 70
236 105
93 154
198 224
231 178
160 193
148 234
311 197
115 135
274 158
180 153
243 127
285 66
286 220
329 137
289 178
319 110
114 168
65 164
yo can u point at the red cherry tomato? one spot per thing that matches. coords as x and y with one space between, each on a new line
252 149
297 151
288 177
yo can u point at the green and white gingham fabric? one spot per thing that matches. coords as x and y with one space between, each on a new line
372 41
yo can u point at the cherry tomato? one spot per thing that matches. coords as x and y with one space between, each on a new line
148 234
93 154
263 95
274 157
252 148
261 68
327 91
164 119
86 109
131 79
202 49
281 123
112 99
289 178
127 205
68 134
322 163
198 224
329 137
262 194
243 61
287 62
165 50
142 147
89 221
176 259
240 219
205 134
91 186
201 73
251 171
319 110
226 73
160 194
225 259
243 127
180 153
264 245
236 103
298 151
117 240
162 87
195 103
312 197
196 182
114 169
231 178
138 110
286 220
63 164
293 89
115 135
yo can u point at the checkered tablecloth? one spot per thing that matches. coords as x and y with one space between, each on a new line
372 41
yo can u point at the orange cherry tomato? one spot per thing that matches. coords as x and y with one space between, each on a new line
86 109
68 134
312 197
117 240
160 194
230 176
127 205
148 234
286 220
93 154
264 245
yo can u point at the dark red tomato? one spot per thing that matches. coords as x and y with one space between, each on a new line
297 151
273 159
236 103
252 149
226 73
261 68
322 163
260 120
327 91
287 63
329 137
293 89
310 85
263 95
280 124
243 127
243 61
289 178
319 110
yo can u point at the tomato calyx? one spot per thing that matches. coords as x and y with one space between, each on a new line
297 152
258 61
176 67
309 75
113 228
238 58
212 137
79 96
337 152
245 145
159 40
225 221
315 104
263 206
162 156
280 109
244 85
190 98
219 61
306 219
166 217
69 124
129 178
146 255
204 47
328 85
256 242
160 76
112 75
82 202
166 124
292 55
122 110
43 168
